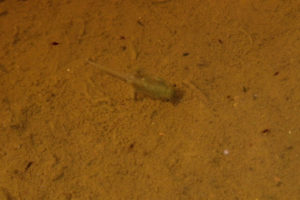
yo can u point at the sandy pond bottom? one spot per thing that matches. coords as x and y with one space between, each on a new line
68 131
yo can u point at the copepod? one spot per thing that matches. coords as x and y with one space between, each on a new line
154 88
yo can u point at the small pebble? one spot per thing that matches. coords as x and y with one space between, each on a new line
226 152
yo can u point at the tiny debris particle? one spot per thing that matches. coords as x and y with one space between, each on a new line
3 13
254 96
245 89
55 43
289 148
28 165
276 73
277 181
226 152
266 131
202 64
185 54
139 22
131 145
123 48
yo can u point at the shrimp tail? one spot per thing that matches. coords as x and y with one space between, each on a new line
110 72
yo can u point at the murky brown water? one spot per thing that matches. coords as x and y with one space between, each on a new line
69 131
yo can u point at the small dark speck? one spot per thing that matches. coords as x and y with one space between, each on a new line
245 89
185 54
122 37
289 148
140 23
220 41
1 1
28 166
3 13
201 65
55 43
131 146
266 131
123 48
229 97
276 73
279 184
